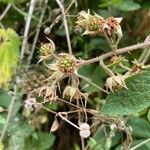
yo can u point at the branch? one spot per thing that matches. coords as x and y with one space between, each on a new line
140 144
5 11
27 26
65 25
38 31
118 51
8 116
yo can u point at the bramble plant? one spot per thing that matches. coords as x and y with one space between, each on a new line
99 100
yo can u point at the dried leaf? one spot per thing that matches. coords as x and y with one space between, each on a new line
54 126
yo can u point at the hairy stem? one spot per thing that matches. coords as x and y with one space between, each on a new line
118 51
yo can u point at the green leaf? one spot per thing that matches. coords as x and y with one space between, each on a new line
132 100
95 74
5 99
9 54
12 1
141 127
43 141
18 136
128 5
2 120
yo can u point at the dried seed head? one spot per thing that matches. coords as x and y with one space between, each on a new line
47 50
93 23
66 63
115 82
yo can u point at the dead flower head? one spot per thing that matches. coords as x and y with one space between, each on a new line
90 23
97 25
73 93
47 50
115 82
48 92
64 65
112 26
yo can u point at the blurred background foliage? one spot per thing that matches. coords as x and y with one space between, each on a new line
30 131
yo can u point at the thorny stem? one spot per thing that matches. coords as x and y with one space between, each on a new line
140 144
118 51
27 26
38 31
65 25
9 115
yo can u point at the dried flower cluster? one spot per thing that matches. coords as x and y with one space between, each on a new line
97 25
47 50
115 82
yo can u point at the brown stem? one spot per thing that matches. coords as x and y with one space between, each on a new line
118 51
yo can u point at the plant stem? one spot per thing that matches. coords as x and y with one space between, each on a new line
140 144
9 115
82 144
27 26
90 82
63 118
5 11
118 51
37 31
65 25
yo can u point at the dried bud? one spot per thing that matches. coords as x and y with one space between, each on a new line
47 50
66 63
47 30
48 92
115 82
73 93
84 130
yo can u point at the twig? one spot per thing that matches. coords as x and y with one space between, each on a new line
140 144
38 31
68 103
65 25
5 11
90 82
82 144
27 26
119 51
58 18
51 111
8 116
63 118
